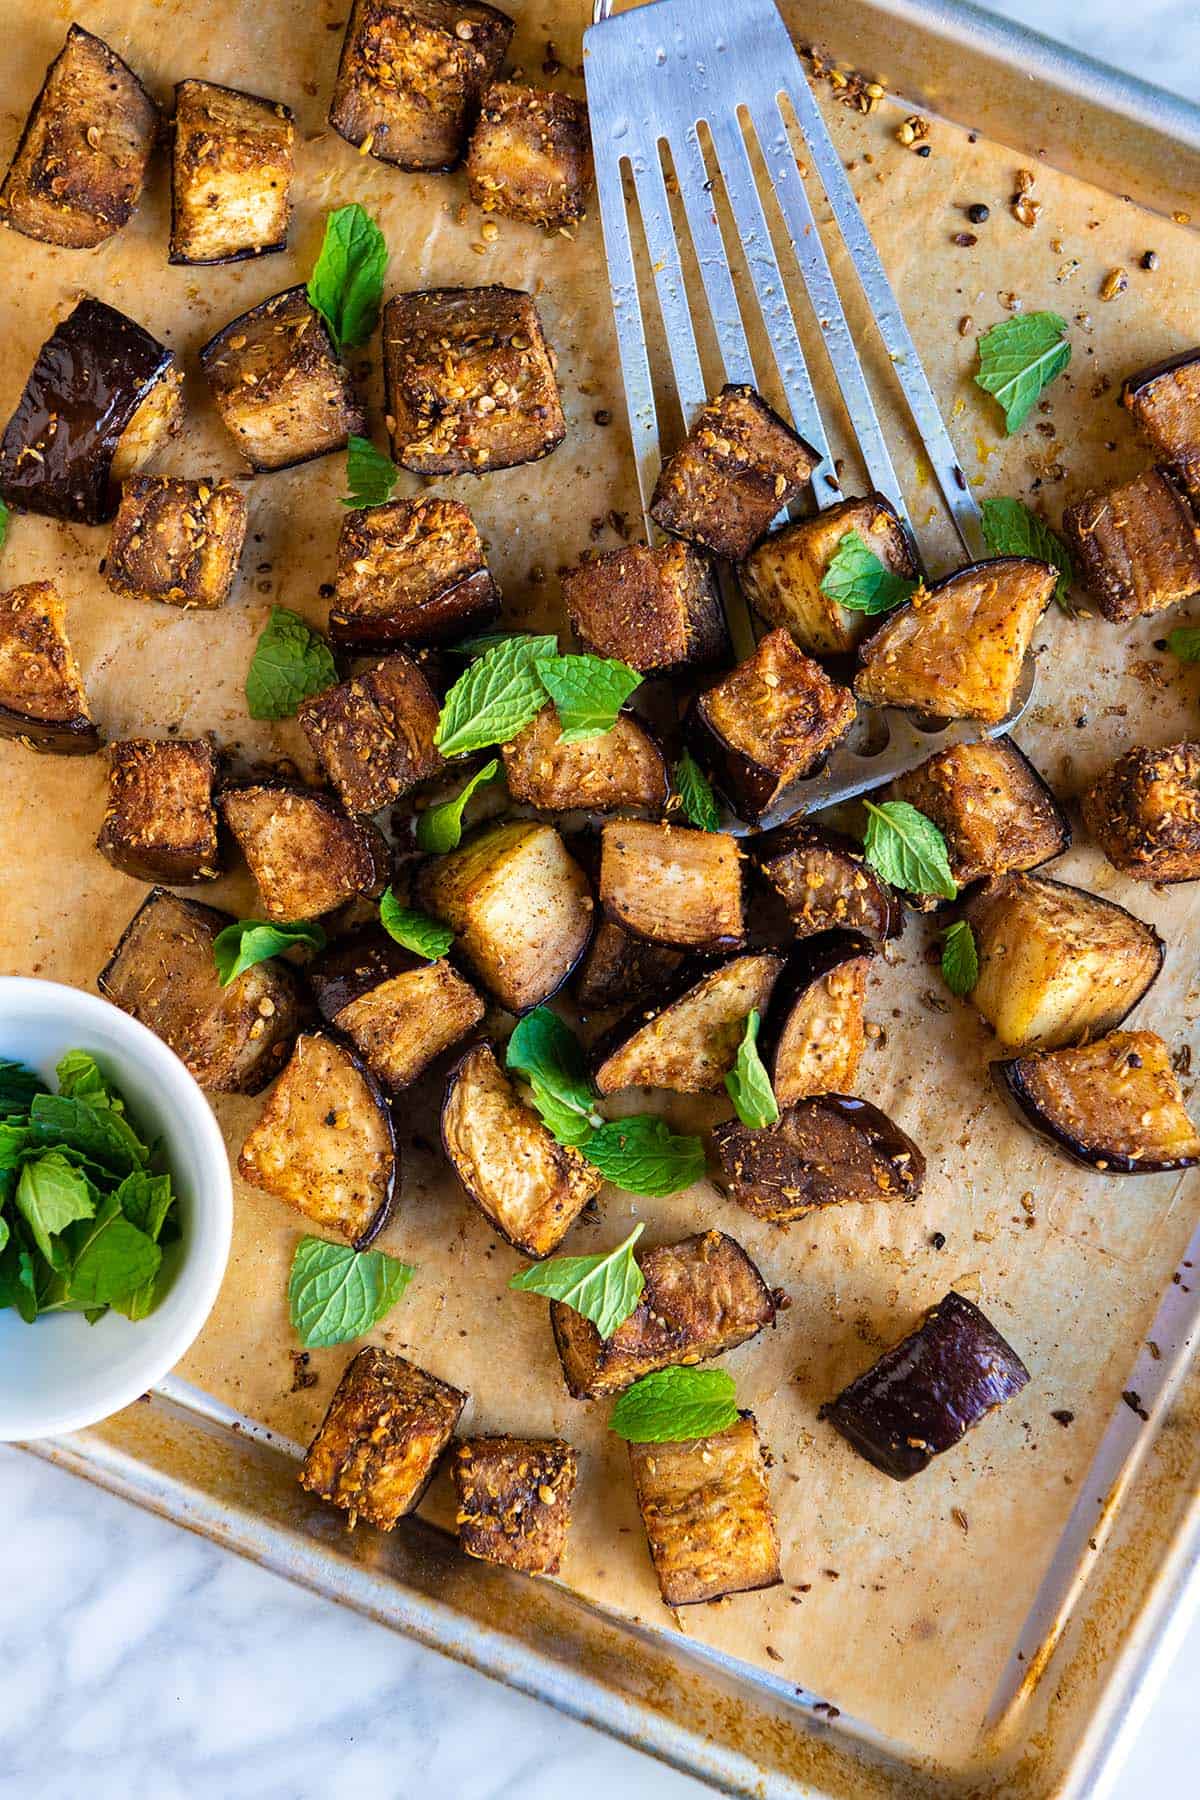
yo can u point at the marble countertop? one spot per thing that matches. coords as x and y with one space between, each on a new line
139 1659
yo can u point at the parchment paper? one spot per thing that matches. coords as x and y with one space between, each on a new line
900 1604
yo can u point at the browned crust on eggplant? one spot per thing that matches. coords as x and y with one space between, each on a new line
399 1010
1139 1125
670 885
824 881
688 1040
530 156
379 1443
160 823
232 152
707 1513
622 770
822 1151
620 970
373 735
514 1500
813 1037
42 701
1144 812
177 542
410 572
1138 545
1165 402
782 577
306 856
655 609
702 1297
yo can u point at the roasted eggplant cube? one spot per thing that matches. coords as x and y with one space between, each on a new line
1057 964
707 1512
820 1152
514 1500
411 77
655 609
670 885
1165 403
78 171
702 1297
1144 812
379 1443
520 904
176 541
278 385
233 1039
231 174
955 650
688 1042
782 577
305 855
622 770
823 881
1113 1104
324 1143
1138 545
737 467
529 1187
374 734
812 1040
42 701
769 722
470 381
530 156
618 970
991 806
101 398
410 572
160 823
399 1010
929 1390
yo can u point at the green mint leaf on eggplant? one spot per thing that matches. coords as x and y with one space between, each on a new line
370 475
859 581
5 516
1184 642
673 1404
440 828
1010 529
1018 358
588 693
250 941
485 640
291 661
346 285
99 1133
336 1294
51 1195
748 1084
604 1289
960 958
697 802
546 1054
18 1085
907 849
643 1156
415 930
111 1259
495 697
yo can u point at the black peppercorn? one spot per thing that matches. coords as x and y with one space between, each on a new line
924 149
979 214
1150 259
938 1240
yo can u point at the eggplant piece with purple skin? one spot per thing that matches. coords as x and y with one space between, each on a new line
991 806
824 881
306 856
656 608
820 1152
1114 1104
373 735
42 701
688 1040
926 1392
530 156
410 572
812 1037
620 970
1164 400
100 399
514 1500
782 577
160 823
1144 812
671 885
1137 545
232 163
400 1010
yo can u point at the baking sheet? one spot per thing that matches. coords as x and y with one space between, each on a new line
892 1609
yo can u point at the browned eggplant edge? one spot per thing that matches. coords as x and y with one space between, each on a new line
812 959
53 737
780 840
728 943
1009 1075
881 1131
210 262
473 600
1133 384
379 1099
378 846
937 587
689 975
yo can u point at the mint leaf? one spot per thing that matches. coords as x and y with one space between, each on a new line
697 802
80 1078
486 640
673 1404
5 515
859 581
495 698
370 475
643 1156
748 1084
546 1052
18 1085
290 663
335 1294
146 1201
1018 358
18 1286
604 1289
439 828
346 285
907 849
50 1196
1010 529
1184 642
960 958
415 930
588 692
248 941
97 1132
111 1260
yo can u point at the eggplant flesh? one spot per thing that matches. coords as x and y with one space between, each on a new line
1136 545
1114 1104
813 1035
514 1500
707 1513
670 885
926 1392
373 735
306 856
231 174
622 770
42 701
991 806
399 1010
824 882
782 578
1144 812
653 608
177 542
410 572
688 1042
821 1151
1165 402
160 823
531 156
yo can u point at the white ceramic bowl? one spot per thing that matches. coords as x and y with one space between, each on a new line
60 1373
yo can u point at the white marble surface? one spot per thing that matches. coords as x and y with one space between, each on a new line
135 1659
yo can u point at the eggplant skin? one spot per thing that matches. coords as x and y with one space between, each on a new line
687 1041
1164 400
1144 812
926 1392
42 701
618 970
812 1037
702 1297
410 572
379 1443
1137 545
530 156
1113 1104
671 885
822 1150
160 823
78 172
707 1513
65 449
514 1500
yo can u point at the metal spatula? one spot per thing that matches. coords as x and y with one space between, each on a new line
655 75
